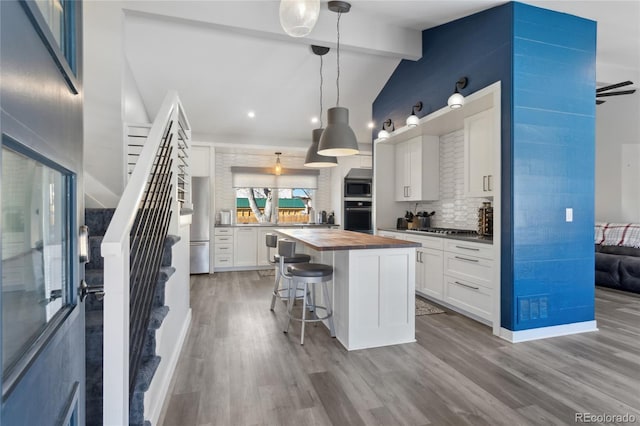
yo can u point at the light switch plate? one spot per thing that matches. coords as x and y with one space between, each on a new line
569 214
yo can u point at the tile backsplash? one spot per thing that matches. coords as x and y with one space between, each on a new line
453 209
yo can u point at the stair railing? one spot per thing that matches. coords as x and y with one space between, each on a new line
132 249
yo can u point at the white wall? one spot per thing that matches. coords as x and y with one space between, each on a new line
104 155
134 109
171 335
618 159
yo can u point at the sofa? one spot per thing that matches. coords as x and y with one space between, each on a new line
617 256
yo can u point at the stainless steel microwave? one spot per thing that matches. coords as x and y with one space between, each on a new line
357 188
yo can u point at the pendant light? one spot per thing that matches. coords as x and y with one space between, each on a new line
277 170
298 17
313 159
338 138
457 100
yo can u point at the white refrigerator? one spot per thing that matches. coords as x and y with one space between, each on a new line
199 238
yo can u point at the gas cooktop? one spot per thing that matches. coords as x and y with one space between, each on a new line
447 231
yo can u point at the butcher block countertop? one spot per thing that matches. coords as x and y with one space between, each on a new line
337 239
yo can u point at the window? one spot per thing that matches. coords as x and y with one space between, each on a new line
55 22
36 249
255 205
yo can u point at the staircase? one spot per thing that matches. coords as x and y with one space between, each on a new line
98 220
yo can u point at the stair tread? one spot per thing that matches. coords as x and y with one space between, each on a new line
158 314
146 372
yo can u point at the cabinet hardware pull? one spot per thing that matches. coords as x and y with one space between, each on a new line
467 285
468 248
468 260
489 188
484 183
421 257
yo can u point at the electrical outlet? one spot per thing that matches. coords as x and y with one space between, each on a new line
569 214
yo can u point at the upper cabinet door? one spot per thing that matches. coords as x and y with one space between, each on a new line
479 137
417 169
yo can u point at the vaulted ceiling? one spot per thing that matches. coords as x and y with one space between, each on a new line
233 57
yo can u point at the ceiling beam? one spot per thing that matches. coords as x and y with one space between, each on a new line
358 32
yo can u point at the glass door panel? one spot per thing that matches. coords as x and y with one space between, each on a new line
35 250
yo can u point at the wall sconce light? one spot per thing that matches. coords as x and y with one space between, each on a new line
277 170
384 134
413 120
457 100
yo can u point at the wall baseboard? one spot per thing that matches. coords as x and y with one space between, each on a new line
156 410
546 332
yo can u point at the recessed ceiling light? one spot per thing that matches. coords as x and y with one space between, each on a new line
314 120
251 114
371 124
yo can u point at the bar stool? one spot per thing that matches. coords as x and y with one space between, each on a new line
271 241
307 275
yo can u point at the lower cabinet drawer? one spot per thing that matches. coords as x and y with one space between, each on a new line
468 296
224 249
469 267
223 260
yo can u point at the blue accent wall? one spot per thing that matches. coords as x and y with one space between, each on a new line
553 168
546 63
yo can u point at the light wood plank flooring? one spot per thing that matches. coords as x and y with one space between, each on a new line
238 368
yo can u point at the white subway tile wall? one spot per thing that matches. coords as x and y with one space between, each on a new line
225 194
453 210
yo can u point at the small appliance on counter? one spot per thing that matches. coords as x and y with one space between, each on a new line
331 220
485 219
225 217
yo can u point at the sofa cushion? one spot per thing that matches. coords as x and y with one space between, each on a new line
619 250
630 274
607 270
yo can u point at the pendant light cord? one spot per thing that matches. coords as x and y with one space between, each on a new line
321 81
338 60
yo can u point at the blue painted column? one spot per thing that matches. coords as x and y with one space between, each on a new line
553 151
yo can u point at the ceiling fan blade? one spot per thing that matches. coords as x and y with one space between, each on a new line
622 92
614 86
599 102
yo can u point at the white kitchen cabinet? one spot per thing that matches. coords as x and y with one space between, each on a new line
468 277
223 247
479 147
245 249
428 265
417 172
429 277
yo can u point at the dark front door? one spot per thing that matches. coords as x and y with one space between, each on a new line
42 321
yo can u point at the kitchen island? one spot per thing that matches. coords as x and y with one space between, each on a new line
373 288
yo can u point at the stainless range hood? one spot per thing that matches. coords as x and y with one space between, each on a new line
360 174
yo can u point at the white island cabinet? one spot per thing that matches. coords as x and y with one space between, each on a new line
373 293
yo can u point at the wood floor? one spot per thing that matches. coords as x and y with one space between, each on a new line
238 368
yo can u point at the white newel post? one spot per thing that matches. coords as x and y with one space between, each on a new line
116 334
